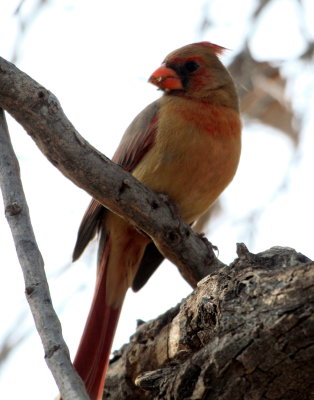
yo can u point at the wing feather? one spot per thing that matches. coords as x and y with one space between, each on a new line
136 142
138 138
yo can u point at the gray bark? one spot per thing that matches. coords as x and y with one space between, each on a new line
246 332
36 287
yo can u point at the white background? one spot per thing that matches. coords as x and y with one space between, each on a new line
96 57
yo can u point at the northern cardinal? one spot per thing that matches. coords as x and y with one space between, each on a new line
187 145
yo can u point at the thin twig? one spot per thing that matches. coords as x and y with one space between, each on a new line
36 286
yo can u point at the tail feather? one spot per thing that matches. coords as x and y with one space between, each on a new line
121 248
92 358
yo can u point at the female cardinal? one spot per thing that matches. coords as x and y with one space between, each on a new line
187 145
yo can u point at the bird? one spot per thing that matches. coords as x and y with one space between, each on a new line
186 145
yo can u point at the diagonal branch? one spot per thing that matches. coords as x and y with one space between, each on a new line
40 113
36 286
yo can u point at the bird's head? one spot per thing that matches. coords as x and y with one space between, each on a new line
195 71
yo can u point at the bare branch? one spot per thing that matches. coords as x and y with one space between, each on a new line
36 286
41 115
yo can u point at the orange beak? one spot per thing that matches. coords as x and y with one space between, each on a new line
166 79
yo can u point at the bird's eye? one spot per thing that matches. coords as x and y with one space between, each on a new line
191 66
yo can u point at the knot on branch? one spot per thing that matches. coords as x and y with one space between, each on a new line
29 290
45 102
174 210
173 236
13 209
125 184
51 351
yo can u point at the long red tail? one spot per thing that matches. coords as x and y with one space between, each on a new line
92 358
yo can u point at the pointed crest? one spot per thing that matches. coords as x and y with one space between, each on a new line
218 50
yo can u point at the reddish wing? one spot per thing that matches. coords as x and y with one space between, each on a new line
138 138
136 142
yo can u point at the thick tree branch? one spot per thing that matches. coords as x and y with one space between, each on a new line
40 113
246 332
36 286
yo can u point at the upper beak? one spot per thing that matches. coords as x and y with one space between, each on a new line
166 79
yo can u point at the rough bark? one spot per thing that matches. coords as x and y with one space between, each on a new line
246 332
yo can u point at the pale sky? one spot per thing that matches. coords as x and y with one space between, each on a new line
96 58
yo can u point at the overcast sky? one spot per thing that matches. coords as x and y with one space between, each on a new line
96 57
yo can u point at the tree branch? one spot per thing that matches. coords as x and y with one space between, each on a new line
40 113
36 286
244 333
